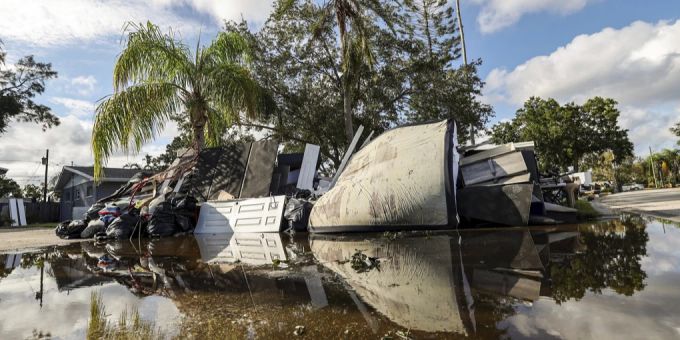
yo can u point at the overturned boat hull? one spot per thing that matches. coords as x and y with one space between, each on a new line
403 179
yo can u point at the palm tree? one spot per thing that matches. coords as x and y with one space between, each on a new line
156 78
352 17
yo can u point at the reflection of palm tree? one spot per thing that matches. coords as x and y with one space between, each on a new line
611 260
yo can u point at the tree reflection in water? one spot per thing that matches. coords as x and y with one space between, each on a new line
610 258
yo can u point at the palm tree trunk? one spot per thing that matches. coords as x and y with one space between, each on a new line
199 137
347 108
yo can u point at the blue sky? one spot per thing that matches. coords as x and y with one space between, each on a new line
566 49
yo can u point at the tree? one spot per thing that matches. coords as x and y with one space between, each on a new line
9 187
18 86
612 259
353 21
438 89
33 191
156 77
676 131
297 60
565 135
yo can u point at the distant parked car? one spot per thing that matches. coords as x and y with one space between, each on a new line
632 187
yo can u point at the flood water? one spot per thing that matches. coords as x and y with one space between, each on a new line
608 279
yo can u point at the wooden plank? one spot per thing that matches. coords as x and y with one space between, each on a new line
308 170
348 154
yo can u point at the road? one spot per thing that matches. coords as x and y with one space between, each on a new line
22 238
662 203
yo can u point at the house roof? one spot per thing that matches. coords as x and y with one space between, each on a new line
110 174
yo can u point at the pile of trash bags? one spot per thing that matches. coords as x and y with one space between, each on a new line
120 217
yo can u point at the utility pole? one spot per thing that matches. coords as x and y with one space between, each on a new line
651 167
462 40
45 162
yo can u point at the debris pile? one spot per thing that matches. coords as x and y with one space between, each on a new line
408 178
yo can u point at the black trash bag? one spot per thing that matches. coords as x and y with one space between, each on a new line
184 204
184 208
70 229
93 212
297 213
93 228
162 222
122 227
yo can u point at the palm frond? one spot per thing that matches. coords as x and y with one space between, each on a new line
151 55
231 89
131 117
227 48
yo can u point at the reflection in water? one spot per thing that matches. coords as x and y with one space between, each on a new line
466 283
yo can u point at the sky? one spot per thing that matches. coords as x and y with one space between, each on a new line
569 50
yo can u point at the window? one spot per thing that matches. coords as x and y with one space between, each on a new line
89 191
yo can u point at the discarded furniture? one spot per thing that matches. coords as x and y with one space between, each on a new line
255 215
403 179
251 248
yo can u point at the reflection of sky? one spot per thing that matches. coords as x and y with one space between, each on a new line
65 314
653 313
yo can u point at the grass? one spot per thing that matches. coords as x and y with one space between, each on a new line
129 326
585 210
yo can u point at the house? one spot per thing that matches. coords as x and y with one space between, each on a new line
78 190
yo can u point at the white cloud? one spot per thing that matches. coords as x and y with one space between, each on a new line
638 65
52 23
25 143
497 14
76 107
85 85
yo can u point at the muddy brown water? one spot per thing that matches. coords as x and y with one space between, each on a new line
607 279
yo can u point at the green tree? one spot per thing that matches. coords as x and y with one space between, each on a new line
33 191
438 90
611 259
297 60
157 77
676 131
18 87
9 187
353 19
565 135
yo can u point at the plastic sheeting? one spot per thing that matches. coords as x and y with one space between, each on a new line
403 178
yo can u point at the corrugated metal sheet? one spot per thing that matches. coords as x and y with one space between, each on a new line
399 179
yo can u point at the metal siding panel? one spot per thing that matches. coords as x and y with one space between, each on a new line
308 170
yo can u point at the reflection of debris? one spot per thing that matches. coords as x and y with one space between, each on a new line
404 335
362 263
